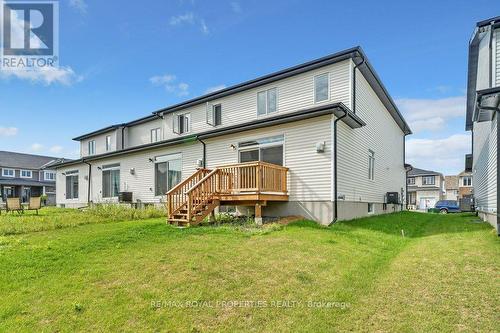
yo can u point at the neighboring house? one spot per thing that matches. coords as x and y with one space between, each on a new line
25 175
425 188
458 187
464 184
451 187
330 122
483 99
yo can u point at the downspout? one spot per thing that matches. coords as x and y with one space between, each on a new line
354 82
90 180
335 194
204 161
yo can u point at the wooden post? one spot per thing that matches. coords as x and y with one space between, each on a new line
258 213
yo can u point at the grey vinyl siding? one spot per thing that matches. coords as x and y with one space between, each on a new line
496 58
484 178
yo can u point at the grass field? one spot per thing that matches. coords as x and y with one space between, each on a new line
361 275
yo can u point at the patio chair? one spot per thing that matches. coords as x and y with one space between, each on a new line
14 205
35 204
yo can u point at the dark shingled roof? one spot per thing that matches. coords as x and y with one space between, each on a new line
26 161
421 172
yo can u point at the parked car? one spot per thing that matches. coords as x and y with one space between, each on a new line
447 206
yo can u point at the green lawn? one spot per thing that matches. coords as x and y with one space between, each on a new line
360 275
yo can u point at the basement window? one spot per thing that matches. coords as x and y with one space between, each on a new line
370 208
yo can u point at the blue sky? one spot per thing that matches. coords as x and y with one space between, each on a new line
121 60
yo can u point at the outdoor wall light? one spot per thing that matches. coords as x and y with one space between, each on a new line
233 147
320 147
151 160
99 168
132 171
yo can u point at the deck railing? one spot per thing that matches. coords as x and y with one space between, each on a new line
204 186
177 196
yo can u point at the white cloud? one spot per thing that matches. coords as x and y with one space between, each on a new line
168 82
8 131
79 5
215 88
189 19
56 149
236 7
36 147
162 79
443 155
204 27
431 114
181 19
47 75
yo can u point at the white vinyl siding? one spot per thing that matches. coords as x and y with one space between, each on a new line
309 176
484 176
100 143
293 94
382 135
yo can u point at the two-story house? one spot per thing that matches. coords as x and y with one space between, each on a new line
459 186
25 175
425 188
322 139
483 100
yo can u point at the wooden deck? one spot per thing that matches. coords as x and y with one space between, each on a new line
242 184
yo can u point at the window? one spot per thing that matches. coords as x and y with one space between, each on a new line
370 208
182 123
49 175
92 147
110 180
267 101
428 180
168 173
26 174
268 150
411 180
321 88
155 135
8 172
371 164
108 142
214 114
467 181
72 185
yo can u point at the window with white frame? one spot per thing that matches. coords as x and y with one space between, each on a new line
49 175
108 142
411 180
110 180
155 135
214 114
371 164
428 180
91 148
268 150
8 172
72 185
26 174
467 181
267 101
182 123
321 88
168 172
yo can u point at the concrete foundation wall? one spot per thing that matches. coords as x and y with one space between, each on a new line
322 211
491 218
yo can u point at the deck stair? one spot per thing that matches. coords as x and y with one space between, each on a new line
253 183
